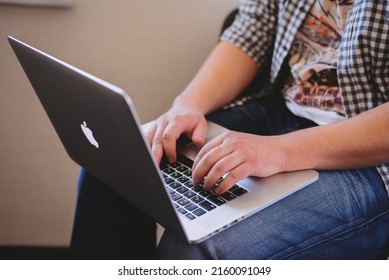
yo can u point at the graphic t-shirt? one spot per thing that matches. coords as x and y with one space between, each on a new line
312 90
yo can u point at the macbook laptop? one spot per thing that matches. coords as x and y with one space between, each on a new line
100 130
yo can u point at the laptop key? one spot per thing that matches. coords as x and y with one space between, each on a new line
198 189
175 164
175 196
183 179
228 196
190 216
182 211
183 201
239 191
171 191
207 205
205 193
197 199
216 199
175 175
189 194
189 184
169 180
182 189
233 188
169 170
174 185
190 206
182 168
198 212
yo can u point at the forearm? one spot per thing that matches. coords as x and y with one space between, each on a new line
225 73
360 141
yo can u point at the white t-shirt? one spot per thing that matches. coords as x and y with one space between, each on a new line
312 90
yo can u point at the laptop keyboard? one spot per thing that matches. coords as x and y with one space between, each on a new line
189 200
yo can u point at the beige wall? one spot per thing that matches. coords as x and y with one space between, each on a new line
150 48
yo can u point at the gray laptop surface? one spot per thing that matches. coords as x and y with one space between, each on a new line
100 130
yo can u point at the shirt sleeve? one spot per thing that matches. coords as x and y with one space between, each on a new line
363 66
254 29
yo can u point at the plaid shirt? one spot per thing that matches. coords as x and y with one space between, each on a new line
265 30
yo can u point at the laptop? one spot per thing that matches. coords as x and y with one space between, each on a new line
100 130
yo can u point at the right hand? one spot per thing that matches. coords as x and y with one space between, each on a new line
163 133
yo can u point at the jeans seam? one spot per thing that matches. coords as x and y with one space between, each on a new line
328 237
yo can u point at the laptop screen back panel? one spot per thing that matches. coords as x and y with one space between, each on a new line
71 101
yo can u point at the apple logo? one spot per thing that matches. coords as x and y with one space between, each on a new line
89 134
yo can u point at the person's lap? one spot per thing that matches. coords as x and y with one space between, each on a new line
342 215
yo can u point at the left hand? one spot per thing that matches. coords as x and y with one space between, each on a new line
238 155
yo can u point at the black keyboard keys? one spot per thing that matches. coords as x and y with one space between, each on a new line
193 201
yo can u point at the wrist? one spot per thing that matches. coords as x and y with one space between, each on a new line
283 154
297 152
188 103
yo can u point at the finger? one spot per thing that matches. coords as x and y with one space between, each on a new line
240 172
170 136
208 161
157 148
157 143
150 132
220 168
207 148
200 132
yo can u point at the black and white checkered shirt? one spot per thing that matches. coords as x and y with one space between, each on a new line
265 30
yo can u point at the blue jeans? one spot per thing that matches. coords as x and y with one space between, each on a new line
343 215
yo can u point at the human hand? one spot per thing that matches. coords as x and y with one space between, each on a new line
163 133
235 156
